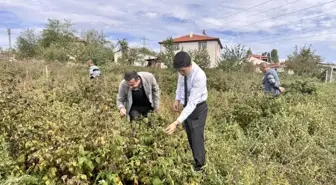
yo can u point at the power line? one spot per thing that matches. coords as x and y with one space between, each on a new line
300 20
143 42
284 14
260 39
303 19
296 38
263 11
220 3
293 34
246 9
242 10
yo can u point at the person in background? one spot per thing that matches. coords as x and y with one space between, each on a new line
271 81
138 94
93 70
192 93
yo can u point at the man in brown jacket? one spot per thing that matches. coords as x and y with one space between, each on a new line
138 94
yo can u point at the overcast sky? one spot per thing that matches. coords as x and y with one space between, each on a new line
260 24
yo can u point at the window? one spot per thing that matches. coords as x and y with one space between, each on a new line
176 46
202 45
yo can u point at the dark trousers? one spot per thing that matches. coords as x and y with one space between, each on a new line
194 126
138 111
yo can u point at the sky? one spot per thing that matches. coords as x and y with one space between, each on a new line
261 25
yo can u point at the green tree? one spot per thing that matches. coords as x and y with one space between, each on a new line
123 48
233 58
134 56
304 61
201 57
58 40
131 55
96 48
93 37
274 56
167 56
57 32
249 52
147 51
27 44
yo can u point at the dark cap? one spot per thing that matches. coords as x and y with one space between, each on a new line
181 59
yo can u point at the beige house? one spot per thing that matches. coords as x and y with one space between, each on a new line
193 41
258 59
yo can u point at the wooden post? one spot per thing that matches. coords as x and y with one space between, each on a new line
46 71
105 84
331 73
25 80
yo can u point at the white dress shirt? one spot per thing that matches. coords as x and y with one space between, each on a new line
197 90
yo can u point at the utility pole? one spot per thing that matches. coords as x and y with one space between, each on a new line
10 42
102 35
144 42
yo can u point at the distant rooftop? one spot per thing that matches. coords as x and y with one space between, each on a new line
195 38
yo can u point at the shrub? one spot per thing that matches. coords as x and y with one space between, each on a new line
69 131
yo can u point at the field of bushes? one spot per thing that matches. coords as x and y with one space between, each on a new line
59 127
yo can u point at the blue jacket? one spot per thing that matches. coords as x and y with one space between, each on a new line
271 82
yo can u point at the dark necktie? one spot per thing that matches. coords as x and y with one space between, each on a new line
185 91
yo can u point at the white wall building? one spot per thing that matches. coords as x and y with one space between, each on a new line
194 41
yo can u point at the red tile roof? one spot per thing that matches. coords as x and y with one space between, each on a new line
259 56
195 38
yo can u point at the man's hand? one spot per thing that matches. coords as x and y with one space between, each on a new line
123 112
156 109
171 128
176 106
282 89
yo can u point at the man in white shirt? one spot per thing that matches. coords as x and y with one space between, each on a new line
195 109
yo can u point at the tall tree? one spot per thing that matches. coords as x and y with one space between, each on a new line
95 48
27 43
123 44
134 56
274 55
249 52
167 56
233 58
201 57
305 61
147 51
57 32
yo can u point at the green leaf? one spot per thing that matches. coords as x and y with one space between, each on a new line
81 161
83 176
137 162
21 158
81 150
90 165
98 160
157 181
